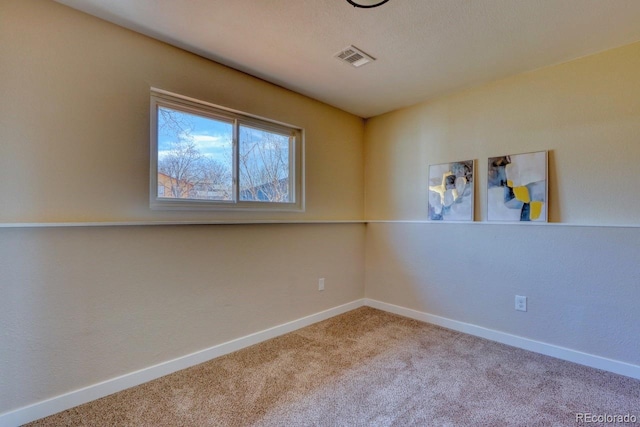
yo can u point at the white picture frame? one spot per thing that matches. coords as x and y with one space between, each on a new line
517 187
451 191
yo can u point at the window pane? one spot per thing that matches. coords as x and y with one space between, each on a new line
195 156
264 165
206 157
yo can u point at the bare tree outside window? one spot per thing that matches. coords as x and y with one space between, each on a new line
183 162
206 157
264 165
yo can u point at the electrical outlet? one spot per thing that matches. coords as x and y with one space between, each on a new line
521 303
321 284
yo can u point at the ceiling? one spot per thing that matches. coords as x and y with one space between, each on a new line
423 48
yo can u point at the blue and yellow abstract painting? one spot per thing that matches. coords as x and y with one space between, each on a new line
517 187
451 192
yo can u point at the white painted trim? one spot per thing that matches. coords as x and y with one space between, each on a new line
96 391
78 397
558 352
494 223
156 223
294 222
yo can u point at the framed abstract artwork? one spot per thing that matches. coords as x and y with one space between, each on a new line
517 187
451 191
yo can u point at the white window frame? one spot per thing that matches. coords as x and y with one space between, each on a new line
161 98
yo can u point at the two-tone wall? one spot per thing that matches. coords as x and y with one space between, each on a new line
580 272
87 304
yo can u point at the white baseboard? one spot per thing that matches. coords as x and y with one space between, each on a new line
563 353
96 391
78 397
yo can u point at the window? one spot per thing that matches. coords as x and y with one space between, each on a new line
208 157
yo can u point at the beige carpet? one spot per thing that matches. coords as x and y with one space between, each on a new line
368 368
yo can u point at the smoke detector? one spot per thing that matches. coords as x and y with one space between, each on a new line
354 56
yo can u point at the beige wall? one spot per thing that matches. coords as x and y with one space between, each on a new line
84 304
81 305
75 109
585 112
581 281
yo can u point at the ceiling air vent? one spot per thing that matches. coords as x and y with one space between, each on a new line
354 56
